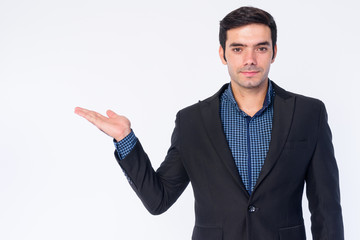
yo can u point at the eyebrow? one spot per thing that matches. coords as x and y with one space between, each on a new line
244 45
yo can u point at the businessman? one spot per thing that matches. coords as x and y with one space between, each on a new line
247 150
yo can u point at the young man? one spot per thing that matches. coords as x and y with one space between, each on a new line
247 150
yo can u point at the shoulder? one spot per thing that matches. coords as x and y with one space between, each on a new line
301 101
211 102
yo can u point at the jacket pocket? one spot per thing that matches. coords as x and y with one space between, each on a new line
292 233
207 233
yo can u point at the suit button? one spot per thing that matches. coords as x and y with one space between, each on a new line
252 208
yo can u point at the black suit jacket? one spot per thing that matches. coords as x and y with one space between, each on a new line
300 151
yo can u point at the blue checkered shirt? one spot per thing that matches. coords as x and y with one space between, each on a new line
124 146
248 137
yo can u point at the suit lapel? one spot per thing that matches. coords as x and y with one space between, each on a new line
209 110
283 114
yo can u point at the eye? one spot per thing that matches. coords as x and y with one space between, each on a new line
236 49
262 49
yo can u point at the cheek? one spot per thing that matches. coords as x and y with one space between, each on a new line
231 68
234 62
233 72
266 62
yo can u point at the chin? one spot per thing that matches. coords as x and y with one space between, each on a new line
251 84
257 83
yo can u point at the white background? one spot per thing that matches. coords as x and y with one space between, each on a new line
146 60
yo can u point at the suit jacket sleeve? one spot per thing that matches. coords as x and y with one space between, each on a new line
158 190
322 187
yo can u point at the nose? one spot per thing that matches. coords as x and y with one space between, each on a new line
250 58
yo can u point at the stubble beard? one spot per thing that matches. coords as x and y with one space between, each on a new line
250 82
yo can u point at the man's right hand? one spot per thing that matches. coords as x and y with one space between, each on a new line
114 125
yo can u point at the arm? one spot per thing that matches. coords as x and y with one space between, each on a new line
322 187
157 190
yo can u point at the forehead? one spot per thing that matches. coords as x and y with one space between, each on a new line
250 34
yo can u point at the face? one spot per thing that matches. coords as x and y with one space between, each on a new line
248 54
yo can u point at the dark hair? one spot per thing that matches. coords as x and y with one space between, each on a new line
244 16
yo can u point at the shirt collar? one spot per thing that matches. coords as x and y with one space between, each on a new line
267 101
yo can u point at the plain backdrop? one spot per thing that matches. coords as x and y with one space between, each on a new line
146 60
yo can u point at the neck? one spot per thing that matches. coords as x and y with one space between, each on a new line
250 100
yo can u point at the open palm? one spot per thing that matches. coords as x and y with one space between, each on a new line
114 125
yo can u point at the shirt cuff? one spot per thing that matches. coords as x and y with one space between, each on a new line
124 146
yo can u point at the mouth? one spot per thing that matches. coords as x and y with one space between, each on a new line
249 73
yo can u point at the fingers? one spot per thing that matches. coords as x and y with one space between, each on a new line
78 110
111 114
95 118
82 111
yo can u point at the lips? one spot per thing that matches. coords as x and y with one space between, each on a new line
249 74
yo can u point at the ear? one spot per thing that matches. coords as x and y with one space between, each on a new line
222 55
274 54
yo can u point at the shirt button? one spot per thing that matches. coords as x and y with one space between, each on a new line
252 208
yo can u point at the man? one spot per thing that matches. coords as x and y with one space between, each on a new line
247 150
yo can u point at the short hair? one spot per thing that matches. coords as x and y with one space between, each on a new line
244 16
